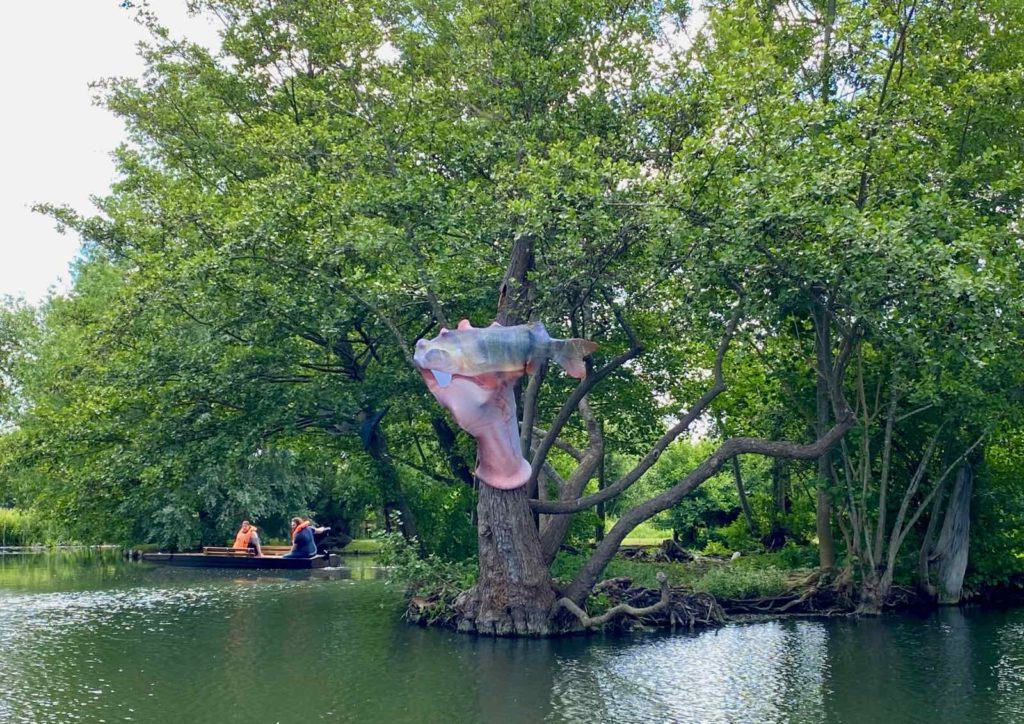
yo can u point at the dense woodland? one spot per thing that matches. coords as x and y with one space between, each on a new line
792 227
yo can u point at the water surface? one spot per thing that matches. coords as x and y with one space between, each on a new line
89 637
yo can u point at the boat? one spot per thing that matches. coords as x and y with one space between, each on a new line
212 557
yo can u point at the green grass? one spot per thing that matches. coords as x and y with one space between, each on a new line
645 534
643 574
721 579
362 546
727 581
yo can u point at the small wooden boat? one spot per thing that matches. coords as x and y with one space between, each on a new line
214 557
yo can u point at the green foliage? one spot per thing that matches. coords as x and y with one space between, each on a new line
728 581
997 525
714 548
642 574
434 581
20 528
791 557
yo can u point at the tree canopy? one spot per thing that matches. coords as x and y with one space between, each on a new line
791 205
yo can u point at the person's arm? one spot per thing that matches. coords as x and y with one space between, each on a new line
323 529
255 541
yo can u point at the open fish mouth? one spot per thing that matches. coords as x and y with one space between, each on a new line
443 378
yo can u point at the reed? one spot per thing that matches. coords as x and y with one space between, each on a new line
18 528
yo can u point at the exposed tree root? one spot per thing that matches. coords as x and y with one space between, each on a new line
826 595
639 607
591 622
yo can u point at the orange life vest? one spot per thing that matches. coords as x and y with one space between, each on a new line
243 537
299 527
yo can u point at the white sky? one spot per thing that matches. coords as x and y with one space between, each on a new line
54 143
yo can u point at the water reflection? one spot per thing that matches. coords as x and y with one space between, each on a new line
764 672
91 637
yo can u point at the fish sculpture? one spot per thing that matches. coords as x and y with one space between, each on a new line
470 351
471 372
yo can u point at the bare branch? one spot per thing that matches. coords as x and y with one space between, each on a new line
530 398
574 400
927 500
562 445
625 608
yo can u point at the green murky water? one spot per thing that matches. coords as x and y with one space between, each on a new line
85 636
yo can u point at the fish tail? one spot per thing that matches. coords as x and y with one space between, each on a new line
569 354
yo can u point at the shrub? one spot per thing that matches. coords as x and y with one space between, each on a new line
714 548
433 580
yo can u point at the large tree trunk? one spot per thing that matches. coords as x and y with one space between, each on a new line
874 590
954 540
513 595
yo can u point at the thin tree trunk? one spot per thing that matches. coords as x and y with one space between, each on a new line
823 355
741 492
954 540
394 499
748 514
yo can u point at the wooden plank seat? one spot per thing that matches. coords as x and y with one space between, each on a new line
276 550
225 551
248 553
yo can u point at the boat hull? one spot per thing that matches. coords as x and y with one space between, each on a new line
202 560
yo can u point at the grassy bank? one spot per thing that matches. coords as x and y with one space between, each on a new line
362 546
721 579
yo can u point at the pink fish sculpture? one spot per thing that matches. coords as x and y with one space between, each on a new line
471 372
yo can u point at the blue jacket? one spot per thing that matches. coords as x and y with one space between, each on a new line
304 543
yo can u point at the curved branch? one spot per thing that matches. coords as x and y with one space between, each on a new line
570 406
611 613
562 507
588 574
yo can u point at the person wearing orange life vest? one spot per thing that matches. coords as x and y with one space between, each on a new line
303 544
247 537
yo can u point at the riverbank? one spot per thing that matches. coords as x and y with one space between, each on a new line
700 592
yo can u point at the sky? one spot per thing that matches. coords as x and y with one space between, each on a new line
55 144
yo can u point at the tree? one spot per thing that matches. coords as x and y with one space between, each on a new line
295 211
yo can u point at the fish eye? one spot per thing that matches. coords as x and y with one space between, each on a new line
436 358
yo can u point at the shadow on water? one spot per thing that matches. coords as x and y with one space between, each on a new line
87 636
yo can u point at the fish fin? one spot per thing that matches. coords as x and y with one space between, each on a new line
495 324
464 324
570 353
443 378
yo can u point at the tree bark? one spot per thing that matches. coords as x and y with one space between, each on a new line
954 540
513 595
823 354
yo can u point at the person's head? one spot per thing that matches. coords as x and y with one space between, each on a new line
245 525
296 522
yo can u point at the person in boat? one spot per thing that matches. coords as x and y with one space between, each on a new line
247 537
303 543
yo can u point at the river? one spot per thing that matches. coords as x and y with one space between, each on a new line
88 637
